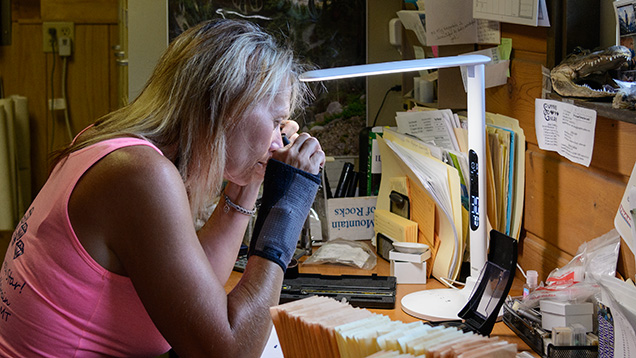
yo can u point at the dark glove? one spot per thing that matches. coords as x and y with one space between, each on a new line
288 193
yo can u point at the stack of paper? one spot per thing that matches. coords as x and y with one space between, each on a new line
431 126
394 226
322 327
429 148
506 164
430 181
306 328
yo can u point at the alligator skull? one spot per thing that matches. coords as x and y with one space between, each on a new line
584 74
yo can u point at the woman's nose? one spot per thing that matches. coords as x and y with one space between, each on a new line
277 141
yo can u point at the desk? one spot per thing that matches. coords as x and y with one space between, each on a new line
397 314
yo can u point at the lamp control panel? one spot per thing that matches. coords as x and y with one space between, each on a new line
473 165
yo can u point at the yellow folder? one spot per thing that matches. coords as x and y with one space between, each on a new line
404 155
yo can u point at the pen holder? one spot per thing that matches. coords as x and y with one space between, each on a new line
305 237
320 208
349 218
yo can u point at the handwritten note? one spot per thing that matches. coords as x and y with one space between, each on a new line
451 22
488 32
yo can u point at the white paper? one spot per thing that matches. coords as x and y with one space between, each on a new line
429 126
414 21
495 71
624 220
451 22
523 12
624 335
272 348
488 32
542 17
566 129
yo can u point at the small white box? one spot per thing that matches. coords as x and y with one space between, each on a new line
408 272
402 256
563 314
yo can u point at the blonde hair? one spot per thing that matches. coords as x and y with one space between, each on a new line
206 81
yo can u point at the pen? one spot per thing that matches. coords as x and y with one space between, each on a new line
285 140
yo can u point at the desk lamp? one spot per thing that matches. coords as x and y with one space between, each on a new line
444 304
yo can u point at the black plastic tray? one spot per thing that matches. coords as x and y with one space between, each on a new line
527 333
370 291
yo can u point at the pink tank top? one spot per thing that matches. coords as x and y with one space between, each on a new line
56 301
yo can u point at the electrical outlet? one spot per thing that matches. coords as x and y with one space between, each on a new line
57 104
66 29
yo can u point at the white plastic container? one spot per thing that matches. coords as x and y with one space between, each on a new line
409 267
562 314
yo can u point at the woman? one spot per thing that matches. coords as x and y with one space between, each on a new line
107 261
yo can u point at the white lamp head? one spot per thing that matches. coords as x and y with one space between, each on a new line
393 67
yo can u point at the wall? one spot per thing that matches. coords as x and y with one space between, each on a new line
91 73
91 78
566 204
379 13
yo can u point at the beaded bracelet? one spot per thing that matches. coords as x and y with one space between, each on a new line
238 208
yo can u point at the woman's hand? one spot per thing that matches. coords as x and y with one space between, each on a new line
304 152
290 129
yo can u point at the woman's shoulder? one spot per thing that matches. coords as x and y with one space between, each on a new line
130 193
137 162
129 186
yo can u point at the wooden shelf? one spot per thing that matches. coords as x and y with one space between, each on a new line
603 109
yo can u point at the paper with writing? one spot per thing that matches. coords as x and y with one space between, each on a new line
402 155
518 167
566 129
624 220
523 12
451 22
429 126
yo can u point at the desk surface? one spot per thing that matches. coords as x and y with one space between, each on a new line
397 314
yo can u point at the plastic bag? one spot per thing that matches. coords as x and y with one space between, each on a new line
598 256
574 292
340 251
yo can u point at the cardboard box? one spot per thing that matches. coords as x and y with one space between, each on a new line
351 218
563 314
